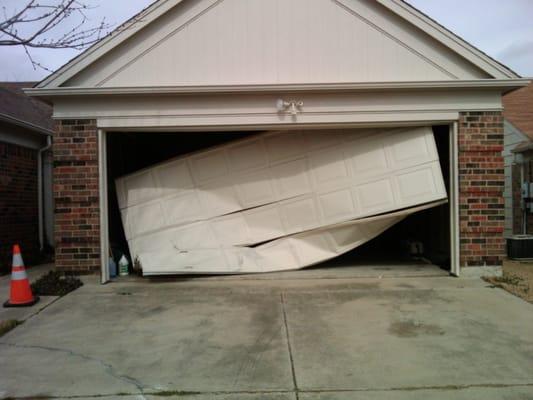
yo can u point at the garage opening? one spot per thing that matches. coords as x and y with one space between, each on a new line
422 240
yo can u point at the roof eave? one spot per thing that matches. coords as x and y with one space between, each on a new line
523 147
24 124
504 85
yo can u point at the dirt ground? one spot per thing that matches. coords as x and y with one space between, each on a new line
517 278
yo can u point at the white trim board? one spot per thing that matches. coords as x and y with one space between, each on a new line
505 84
454 250
245 109
454 204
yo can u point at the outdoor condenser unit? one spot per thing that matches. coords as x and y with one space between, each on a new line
520 247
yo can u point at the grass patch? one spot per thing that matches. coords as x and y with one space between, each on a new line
517 279
55 283
7 325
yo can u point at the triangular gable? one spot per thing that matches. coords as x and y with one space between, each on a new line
226 42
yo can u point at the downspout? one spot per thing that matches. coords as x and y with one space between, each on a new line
40 191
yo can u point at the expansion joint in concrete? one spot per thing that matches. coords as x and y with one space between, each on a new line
294 381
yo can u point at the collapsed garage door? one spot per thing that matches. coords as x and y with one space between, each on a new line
271 201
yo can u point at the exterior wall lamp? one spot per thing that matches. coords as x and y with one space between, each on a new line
293 106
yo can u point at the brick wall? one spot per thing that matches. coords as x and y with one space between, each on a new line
18 204
77 224
481 182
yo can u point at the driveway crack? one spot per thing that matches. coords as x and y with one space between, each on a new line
107 367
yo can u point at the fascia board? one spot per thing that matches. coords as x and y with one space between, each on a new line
503 84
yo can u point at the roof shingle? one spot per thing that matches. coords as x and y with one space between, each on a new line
16 104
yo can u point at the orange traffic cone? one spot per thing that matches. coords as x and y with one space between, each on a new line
21 295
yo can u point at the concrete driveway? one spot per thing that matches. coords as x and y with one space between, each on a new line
431 337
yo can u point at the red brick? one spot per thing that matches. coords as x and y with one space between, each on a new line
481 184
77 227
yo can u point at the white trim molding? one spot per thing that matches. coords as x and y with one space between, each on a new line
455 248
104 217
503 84
220 111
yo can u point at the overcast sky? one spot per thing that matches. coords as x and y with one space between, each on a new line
501 28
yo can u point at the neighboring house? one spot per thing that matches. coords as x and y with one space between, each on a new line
26 211
518 156
159 86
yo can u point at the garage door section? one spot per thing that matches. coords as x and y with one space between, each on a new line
288 253
290 192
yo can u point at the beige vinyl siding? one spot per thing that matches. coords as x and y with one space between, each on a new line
276 42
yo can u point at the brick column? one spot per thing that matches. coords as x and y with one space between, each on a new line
481 185
77 223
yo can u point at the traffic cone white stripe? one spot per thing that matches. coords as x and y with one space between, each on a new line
17 260
18 275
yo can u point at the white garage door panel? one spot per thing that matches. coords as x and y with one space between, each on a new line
173 178
292 178
218 198
288 253
209 165
262 170
404 189
141 188
182 208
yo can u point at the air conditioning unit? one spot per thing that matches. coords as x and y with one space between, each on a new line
520 247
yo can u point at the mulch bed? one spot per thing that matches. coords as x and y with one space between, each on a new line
55 284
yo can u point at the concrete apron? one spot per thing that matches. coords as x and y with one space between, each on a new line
366 338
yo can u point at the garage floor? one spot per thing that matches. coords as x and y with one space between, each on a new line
365 338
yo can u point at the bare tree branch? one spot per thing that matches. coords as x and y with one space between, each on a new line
39 23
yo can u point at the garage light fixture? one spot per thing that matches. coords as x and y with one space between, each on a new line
292 105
